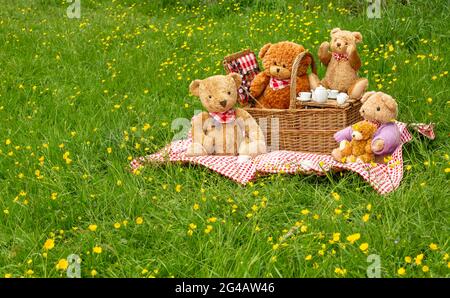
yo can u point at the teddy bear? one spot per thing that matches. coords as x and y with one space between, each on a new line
380 109
340 56
360 146
271 87
223 129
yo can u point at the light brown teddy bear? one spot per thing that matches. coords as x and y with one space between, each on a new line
223 130
342 62
271 87
381 109
360 147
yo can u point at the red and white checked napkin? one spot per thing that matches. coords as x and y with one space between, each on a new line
384 178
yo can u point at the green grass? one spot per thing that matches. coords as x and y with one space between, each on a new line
93 83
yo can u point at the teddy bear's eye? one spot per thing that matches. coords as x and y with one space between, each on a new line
210 96
284 65
346 43
378 109
275 63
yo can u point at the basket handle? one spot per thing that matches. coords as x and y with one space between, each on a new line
293 86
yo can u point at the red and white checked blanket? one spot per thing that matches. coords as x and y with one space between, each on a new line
384 178
277 84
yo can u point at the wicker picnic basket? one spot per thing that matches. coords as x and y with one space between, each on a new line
305 126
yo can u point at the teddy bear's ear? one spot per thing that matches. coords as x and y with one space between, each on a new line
357 36
264 50
390 102
194 87
367 95
237 78
334 31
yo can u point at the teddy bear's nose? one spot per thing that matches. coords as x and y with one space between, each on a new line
278 70
338 44
362 111
223 103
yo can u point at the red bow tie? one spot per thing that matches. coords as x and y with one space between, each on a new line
225 117
340 57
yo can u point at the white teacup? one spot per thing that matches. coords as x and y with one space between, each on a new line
333 94
341 98
305 96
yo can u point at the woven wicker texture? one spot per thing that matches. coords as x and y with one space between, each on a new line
300 128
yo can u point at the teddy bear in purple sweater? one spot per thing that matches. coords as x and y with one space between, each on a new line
381 109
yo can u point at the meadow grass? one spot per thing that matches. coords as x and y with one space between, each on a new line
79 98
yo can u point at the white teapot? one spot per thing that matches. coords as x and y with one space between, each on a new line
320 94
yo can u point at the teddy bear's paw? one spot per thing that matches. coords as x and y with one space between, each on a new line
325 46
196 149
252 148
337 155
343 145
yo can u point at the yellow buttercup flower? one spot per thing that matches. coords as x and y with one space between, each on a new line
433 246
92 227
97 249
364 246
354 237
401 271
419 259
62 264
49 244
336 237
336 196
366 217
139 220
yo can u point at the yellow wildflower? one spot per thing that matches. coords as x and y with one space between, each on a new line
62 264
354 237
49 244
97 249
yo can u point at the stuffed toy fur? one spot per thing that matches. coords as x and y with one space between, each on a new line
271 87
340 56
381 109
359 148
223 129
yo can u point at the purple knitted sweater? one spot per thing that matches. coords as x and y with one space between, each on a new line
388 132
